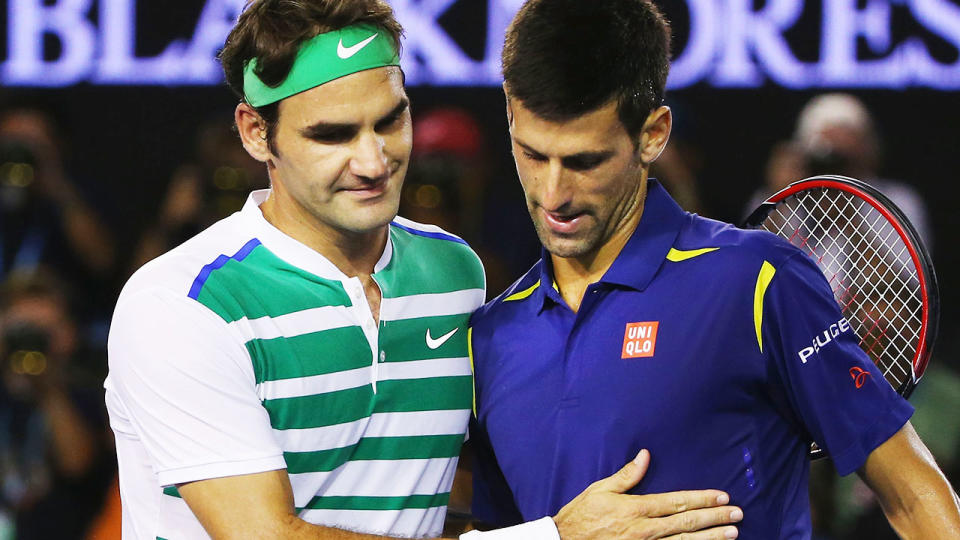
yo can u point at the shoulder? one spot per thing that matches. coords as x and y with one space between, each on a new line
435 250
425 236
513 302
730 249
177 271
158 325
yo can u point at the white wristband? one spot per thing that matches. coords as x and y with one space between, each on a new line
541 529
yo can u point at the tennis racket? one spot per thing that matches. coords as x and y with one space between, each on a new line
881 274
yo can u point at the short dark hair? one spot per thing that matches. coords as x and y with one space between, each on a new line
272 31
565 58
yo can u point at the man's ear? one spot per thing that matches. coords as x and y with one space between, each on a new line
253 132
655 134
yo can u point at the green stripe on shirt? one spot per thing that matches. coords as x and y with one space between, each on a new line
235 290
403 395
417 256
316 353
377 503
375 448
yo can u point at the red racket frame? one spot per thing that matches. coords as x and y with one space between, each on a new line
926 275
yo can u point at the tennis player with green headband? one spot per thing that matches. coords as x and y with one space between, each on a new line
269 378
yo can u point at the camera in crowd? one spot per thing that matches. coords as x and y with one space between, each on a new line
26 347
826 159
26 359
18 166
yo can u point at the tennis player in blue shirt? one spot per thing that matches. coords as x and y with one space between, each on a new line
720 350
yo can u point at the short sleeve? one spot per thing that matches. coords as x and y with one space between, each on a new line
837 392
185 384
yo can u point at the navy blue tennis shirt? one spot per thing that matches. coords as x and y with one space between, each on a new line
720 350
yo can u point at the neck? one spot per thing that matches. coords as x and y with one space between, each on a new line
355 254
574 274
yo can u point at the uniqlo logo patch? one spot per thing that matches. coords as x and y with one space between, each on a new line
640 339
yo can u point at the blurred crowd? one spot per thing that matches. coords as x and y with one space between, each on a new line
61 267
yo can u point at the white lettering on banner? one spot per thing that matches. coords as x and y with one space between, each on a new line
843 24
119 63
943 19
694 62
27 23
759 32
730 44
442 60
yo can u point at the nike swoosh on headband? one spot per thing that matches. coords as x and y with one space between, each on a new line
347 52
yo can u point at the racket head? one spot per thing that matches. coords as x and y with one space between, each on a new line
880 271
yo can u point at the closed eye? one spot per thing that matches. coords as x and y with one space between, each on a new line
331 133
533 156
392 119
585 162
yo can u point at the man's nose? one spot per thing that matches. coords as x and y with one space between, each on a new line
554 187
369 158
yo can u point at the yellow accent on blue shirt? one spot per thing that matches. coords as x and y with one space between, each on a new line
677 255
522 294
763 281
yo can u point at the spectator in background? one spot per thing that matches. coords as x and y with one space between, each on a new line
836 134
446 183
45 217
200 193
55 456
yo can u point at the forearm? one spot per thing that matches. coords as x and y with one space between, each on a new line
258 505
931 511
914 494
287 526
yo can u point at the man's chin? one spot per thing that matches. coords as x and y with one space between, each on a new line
566 248
371 217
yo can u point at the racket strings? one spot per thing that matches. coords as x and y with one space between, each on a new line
868 266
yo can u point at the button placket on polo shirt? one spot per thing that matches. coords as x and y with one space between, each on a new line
364 318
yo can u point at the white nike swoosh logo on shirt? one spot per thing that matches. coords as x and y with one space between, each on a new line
434 343
347 52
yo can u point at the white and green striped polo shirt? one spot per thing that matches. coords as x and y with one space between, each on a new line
243 351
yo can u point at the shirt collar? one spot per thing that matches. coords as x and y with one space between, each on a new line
643 254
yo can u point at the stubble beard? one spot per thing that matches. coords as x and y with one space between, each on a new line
574 246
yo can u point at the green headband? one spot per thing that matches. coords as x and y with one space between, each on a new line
322 59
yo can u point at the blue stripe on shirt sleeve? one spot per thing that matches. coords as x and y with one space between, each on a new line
218 263
428 234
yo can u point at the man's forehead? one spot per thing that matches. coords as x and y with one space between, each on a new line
599 130
352 98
